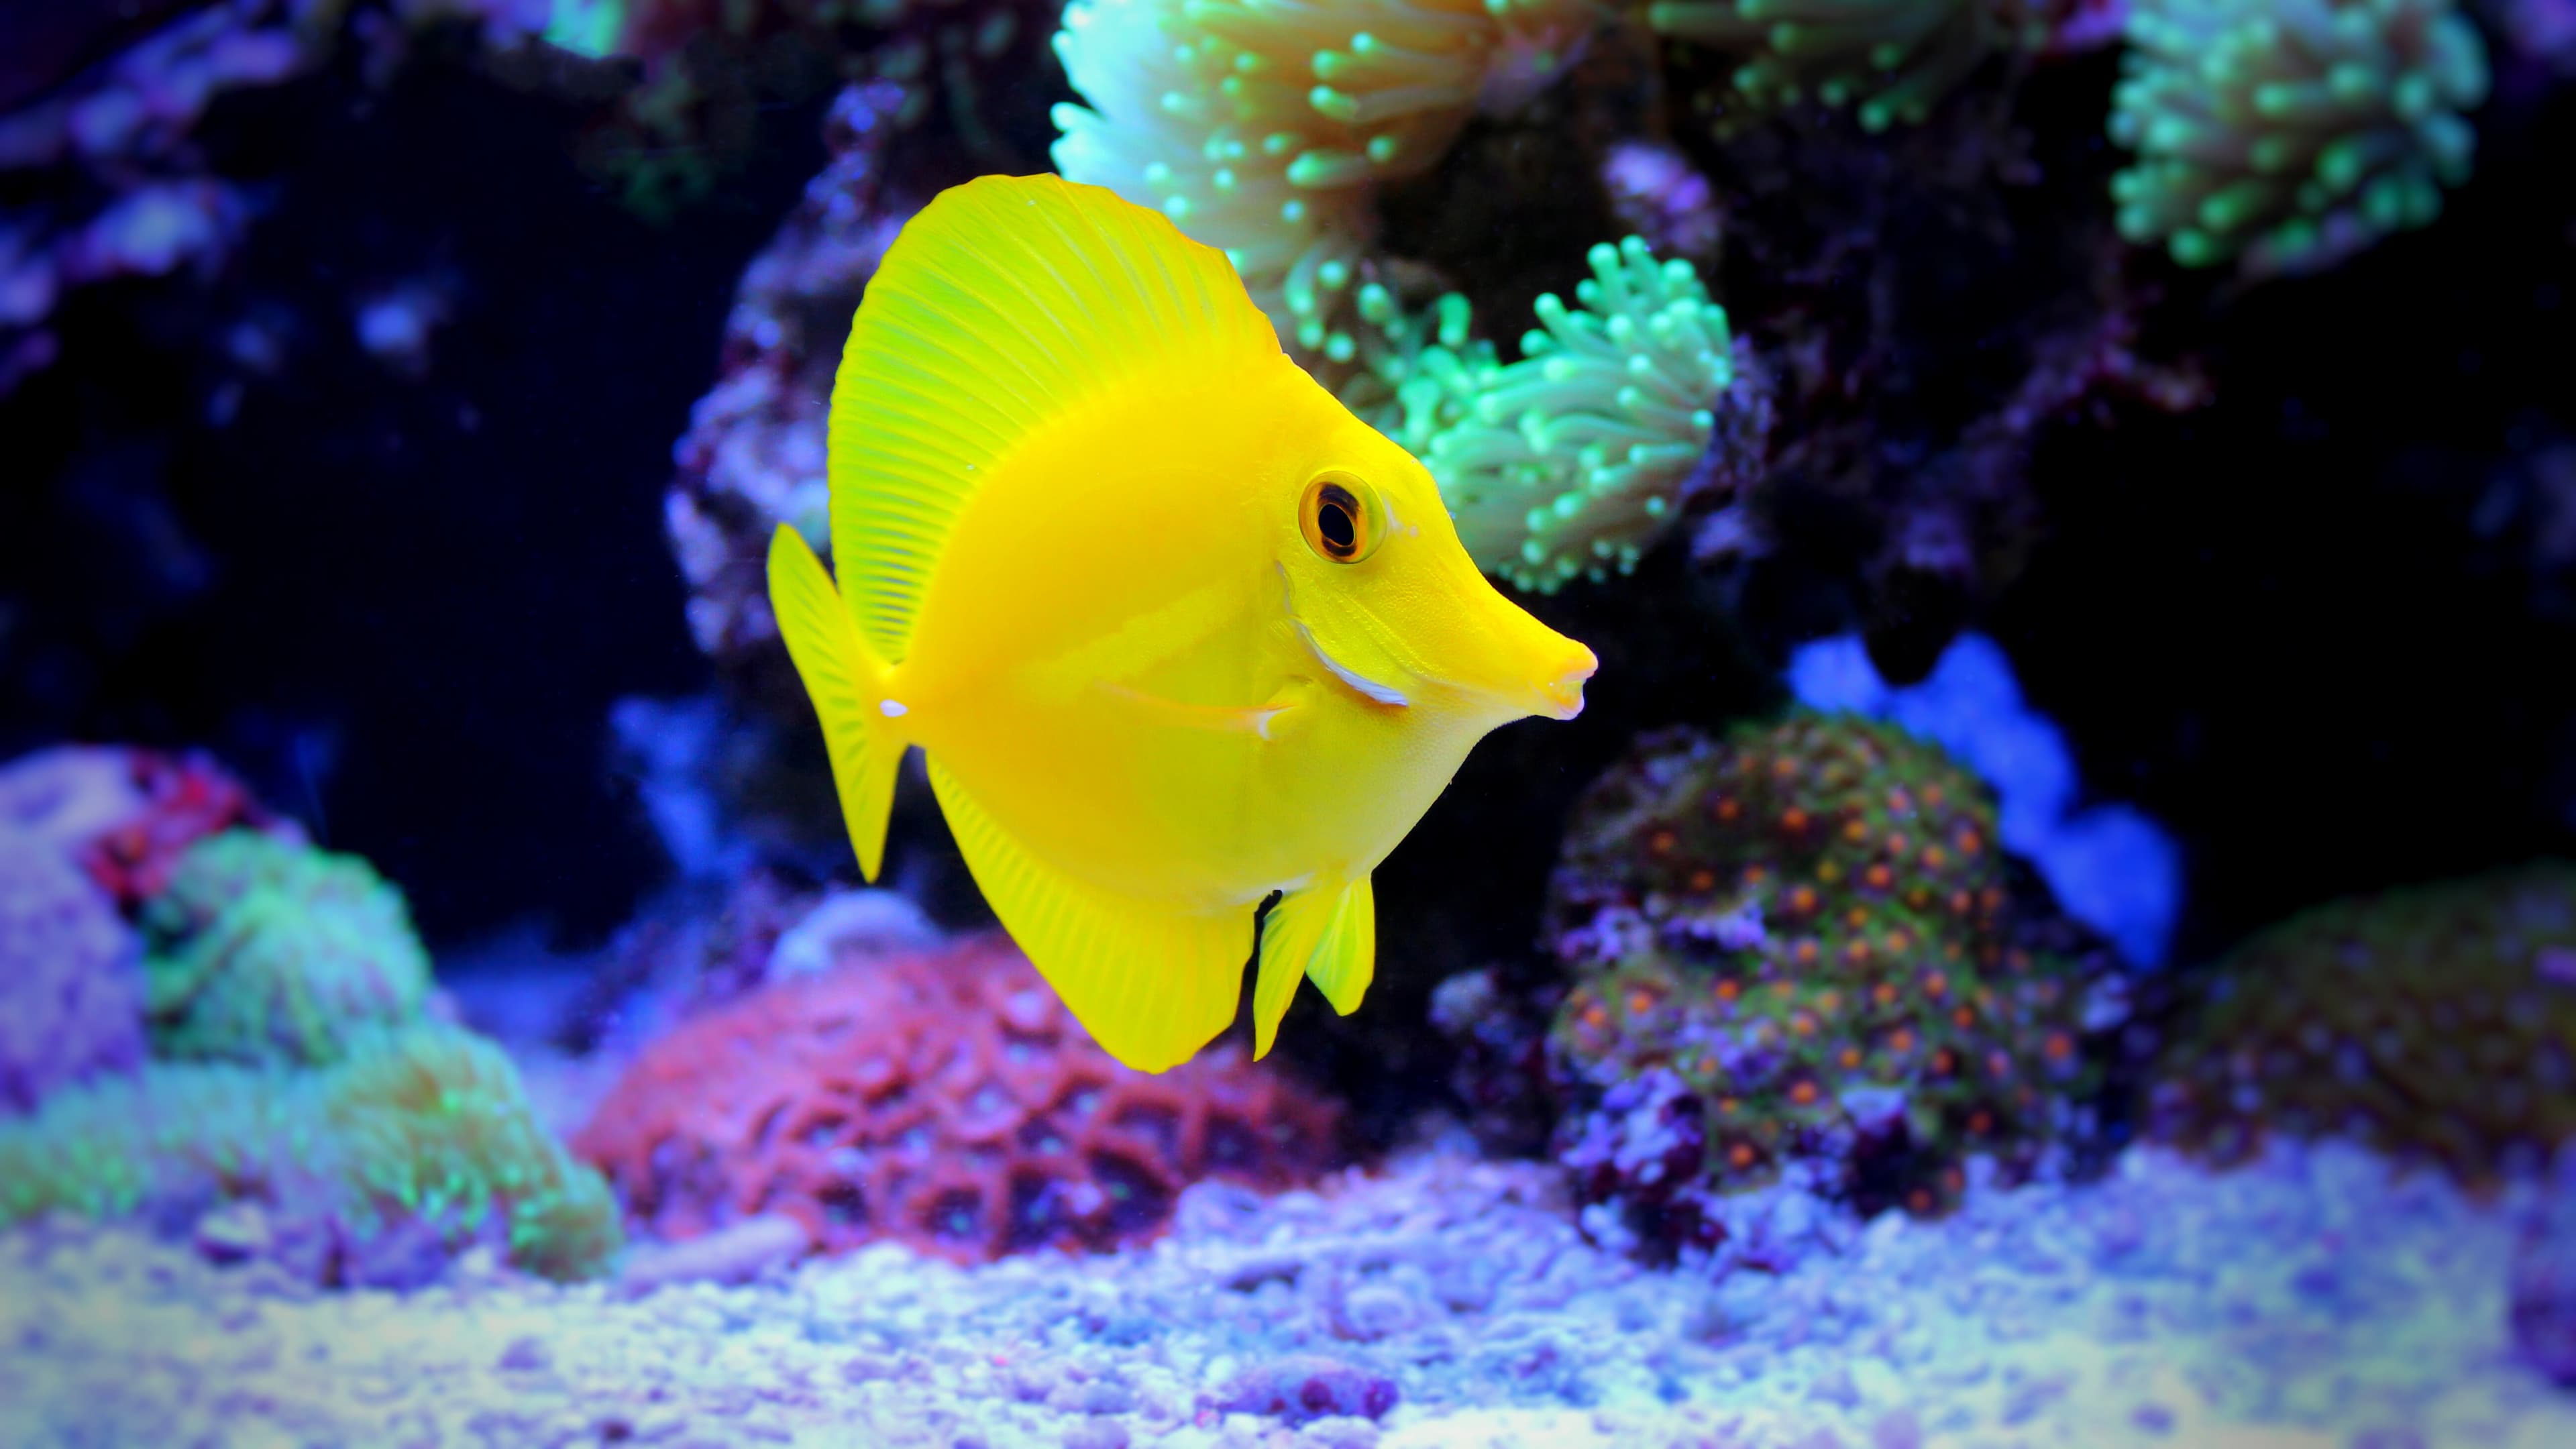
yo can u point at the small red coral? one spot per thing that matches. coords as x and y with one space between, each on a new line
125 814
943 1099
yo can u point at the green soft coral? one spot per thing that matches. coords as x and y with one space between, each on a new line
1264 130
422 1133
1890 60
2435 1023
264 950
2287 134
1571 462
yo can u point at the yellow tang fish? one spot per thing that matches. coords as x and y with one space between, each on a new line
1174 628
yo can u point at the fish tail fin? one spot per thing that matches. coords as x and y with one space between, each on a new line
1326 935
848 684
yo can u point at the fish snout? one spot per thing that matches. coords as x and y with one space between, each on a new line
1562 690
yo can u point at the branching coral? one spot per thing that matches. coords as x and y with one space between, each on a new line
1890 60
1263 129
71 1006
1571 462
1799 950
2438 1023
2287 134
945 1100
376 1171
263 950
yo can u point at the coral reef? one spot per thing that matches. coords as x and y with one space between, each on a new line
1890 61
127 815
377 1171
2108 865
2288 134
1573 461
1798 952
127 193
269 951
71 1005
2438 1024
944 1100
753 456
1265 131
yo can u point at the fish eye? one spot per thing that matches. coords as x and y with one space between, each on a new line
1341 518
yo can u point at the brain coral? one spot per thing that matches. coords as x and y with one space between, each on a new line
1263 129
71 1004
1573 461
376 1171
2288 134
2438 1023
944 1100
264 950
1800 947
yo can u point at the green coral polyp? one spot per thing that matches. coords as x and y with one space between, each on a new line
2434 1023
2287 134
1890 61
266 950
1569 463
1797 919
426 1125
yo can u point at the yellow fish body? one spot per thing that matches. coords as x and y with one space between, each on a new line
1174 629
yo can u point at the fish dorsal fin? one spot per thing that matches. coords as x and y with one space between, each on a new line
1151 984
1005 303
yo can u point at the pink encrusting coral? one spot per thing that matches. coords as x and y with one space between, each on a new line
941 1099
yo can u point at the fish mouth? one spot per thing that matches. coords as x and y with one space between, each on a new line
1563 694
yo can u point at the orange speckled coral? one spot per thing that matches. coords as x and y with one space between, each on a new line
945 1100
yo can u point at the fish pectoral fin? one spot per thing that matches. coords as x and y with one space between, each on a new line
1262 720
1326 933
1151 983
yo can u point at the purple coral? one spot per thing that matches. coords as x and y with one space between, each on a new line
71 1004
753 456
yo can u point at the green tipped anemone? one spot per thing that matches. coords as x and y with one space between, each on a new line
1263 129
1890 61
1571 462
2286 134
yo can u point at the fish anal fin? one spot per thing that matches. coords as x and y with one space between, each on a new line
1325 932
845 680
1151 984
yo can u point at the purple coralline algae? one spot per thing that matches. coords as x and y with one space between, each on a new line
2543 1292
2108 864
1800 958
2436 1023
753 456
71 1003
